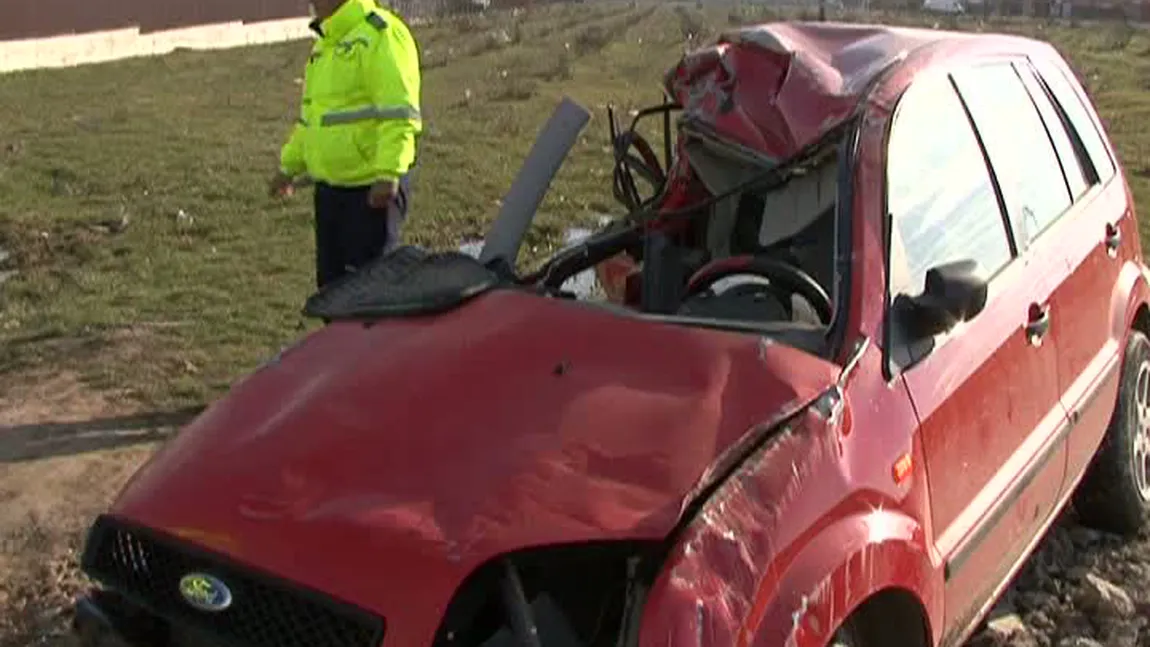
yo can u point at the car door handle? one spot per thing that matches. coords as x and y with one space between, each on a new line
1038 324
1113 239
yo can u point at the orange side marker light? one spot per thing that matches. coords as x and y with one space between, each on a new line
902 469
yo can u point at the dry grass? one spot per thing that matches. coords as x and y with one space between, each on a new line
133 191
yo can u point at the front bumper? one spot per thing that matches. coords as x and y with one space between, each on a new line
140 601
105 619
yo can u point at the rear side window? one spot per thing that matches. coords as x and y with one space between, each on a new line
1018 145
1071 166
1068 99
940 197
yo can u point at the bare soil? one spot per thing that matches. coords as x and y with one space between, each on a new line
64 452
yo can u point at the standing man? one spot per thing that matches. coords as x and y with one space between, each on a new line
357 133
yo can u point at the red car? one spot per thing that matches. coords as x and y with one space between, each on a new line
874 317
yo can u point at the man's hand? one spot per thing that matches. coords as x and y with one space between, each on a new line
381 193
280 185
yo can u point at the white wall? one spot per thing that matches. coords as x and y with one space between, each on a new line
96 47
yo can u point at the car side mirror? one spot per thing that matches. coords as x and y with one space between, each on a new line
954 293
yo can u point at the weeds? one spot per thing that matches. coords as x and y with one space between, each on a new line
515 88
562 69
692 25
591 39
1117 38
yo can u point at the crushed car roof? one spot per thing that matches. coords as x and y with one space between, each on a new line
772 89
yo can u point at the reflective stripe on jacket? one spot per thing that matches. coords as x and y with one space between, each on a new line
360 113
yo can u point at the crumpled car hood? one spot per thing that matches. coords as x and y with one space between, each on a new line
383 463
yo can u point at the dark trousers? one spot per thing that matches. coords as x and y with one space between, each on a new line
349 233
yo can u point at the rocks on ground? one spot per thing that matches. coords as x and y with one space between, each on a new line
1083 588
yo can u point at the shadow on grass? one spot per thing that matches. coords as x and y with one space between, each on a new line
34 442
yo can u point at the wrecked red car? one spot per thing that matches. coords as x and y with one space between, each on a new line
877 312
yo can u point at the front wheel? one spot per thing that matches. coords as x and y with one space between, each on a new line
846 636
1115 493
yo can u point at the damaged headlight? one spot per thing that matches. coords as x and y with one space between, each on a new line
580 595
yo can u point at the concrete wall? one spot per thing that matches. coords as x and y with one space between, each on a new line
96 47
22 19
62 33
59 33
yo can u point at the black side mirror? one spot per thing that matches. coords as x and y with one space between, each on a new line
954 293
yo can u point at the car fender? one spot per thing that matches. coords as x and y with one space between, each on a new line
802 603
1131 291
880 550
782 554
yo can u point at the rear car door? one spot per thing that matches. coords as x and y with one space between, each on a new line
1095 239
986 393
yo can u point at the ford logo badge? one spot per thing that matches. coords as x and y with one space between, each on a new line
205 592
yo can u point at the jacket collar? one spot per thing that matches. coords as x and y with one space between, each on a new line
337 25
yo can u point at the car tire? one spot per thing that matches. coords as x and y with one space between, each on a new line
846 636
1114 495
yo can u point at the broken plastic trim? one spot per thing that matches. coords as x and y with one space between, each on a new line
502 243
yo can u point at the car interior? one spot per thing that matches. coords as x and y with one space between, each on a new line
791 226
760 261
755 250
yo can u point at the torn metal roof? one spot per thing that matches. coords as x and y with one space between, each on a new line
773 89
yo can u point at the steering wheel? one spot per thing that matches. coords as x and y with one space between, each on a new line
779 274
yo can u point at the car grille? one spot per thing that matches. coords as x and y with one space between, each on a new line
265 612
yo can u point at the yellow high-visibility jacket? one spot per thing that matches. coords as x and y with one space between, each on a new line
360 113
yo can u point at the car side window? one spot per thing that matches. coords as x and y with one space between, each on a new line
1056 128
940 197
1063 90
1016 140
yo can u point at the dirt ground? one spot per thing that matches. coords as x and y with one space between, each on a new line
65 451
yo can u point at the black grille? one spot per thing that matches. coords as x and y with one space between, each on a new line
265 612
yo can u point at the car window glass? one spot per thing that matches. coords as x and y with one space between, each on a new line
1071 166
1066 95
939 193
1019 148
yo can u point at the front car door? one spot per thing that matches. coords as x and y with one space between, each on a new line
986 393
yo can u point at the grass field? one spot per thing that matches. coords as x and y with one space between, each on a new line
152 264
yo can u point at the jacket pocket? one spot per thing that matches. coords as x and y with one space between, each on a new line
339 153
366 141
